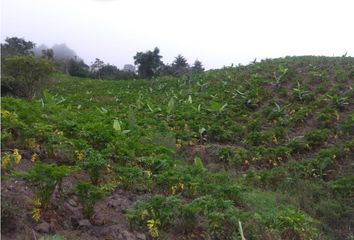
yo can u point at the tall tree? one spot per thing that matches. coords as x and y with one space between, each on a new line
108 71
96 67
197 66
148 63
129 68
48 53
17 46
78 68
180 65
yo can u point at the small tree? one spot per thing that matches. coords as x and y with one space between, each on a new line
180 66
96 67
78 68
24 76
197 66
108 71
48 53
129 68
148 63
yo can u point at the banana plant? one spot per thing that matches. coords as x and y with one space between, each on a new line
216 107
201 135
171 105
338 101
117 125
152 108
201 85
278 78
300 92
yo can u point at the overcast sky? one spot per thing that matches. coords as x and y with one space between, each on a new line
217 32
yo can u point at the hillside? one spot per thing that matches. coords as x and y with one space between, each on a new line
268 145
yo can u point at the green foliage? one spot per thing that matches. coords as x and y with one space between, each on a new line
45 177
180 66
158 208
24 76
93 163
198 162
78 68
299 92
293 224
88 195
133 178
16 46
197 66
148 63
316 138
53 237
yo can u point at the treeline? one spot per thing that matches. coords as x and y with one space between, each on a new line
26 69
147 64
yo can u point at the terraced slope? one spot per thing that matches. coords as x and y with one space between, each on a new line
268 146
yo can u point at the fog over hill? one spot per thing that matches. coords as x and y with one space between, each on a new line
61 51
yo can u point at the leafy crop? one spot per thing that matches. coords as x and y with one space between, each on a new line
202 155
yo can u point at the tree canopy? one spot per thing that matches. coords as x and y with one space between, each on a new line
197 66
148 63
16 46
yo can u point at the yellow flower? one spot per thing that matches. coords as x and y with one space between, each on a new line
6 160
36 202
173 189
5 113
178 186
147 172
153 228
79 155
59 133
34 157
17 155
36 214
337 115
178 143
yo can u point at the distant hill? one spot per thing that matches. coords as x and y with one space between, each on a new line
61 51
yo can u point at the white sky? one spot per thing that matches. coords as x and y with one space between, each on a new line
217 32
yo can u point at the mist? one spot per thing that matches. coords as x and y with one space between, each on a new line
217 33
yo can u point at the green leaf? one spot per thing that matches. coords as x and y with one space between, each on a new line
117 125
171 105
198 163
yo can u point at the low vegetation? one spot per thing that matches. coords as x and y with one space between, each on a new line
262 151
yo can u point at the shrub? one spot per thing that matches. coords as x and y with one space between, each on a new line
316 138
294 225
88 195
156 213
45 178
132 178
298 145
24 76
93 163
